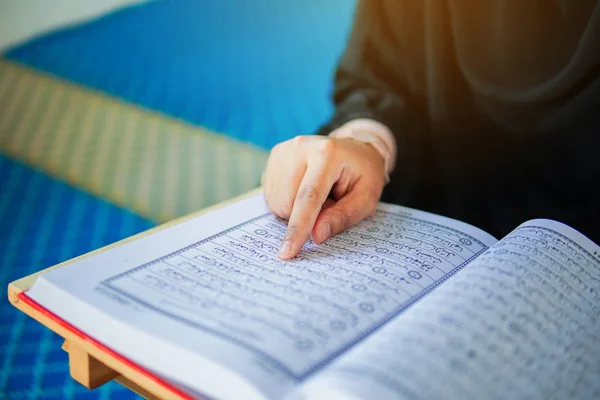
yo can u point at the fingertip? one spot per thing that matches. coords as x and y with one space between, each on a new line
321 232
286 251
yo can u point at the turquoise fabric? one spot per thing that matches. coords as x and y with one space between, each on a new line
259 71
44 222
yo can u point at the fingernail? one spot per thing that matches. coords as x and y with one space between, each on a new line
325 231
285 250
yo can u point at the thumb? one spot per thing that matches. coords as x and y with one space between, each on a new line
349 210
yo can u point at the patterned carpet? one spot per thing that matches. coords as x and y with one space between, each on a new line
136 118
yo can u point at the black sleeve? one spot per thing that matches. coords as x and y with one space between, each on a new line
369 78
494 181
370 82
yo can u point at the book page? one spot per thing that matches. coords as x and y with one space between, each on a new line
213 292
520 322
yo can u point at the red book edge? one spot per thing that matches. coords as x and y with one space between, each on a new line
36 306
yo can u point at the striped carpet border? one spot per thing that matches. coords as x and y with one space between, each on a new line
157 166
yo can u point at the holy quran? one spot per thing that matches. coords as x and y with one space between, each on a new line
403 305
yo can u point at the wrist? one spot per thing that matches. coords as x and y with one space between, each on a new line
374 133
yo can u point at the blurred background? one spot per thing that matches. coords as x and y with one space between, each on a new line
117 115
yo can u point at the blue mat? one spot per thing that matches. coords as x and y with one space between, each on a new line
44 222
260 71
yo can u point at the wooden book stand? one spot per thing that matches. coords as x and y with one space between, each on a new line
90 363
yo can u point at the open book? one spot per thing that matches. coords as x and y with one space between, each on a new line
404 305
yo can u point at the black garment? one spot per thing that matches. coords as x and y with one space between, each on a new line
495 106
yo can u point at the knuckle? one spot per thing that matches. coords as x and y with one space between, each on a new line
298 140
282 146
308 194
328 146
284 211
281 214
274 209
285 206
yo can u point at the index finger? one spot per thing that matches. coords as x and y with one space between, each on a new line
312 193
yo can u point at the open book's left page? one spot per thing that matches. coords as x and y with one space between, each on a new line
208 305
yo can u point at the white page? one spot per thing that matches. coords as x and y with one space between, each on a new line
520 322
211 292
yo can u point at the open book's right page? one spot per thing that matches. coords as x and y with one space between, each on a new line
522 321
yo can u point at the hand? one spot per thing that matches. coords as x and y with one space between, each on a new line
303 172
